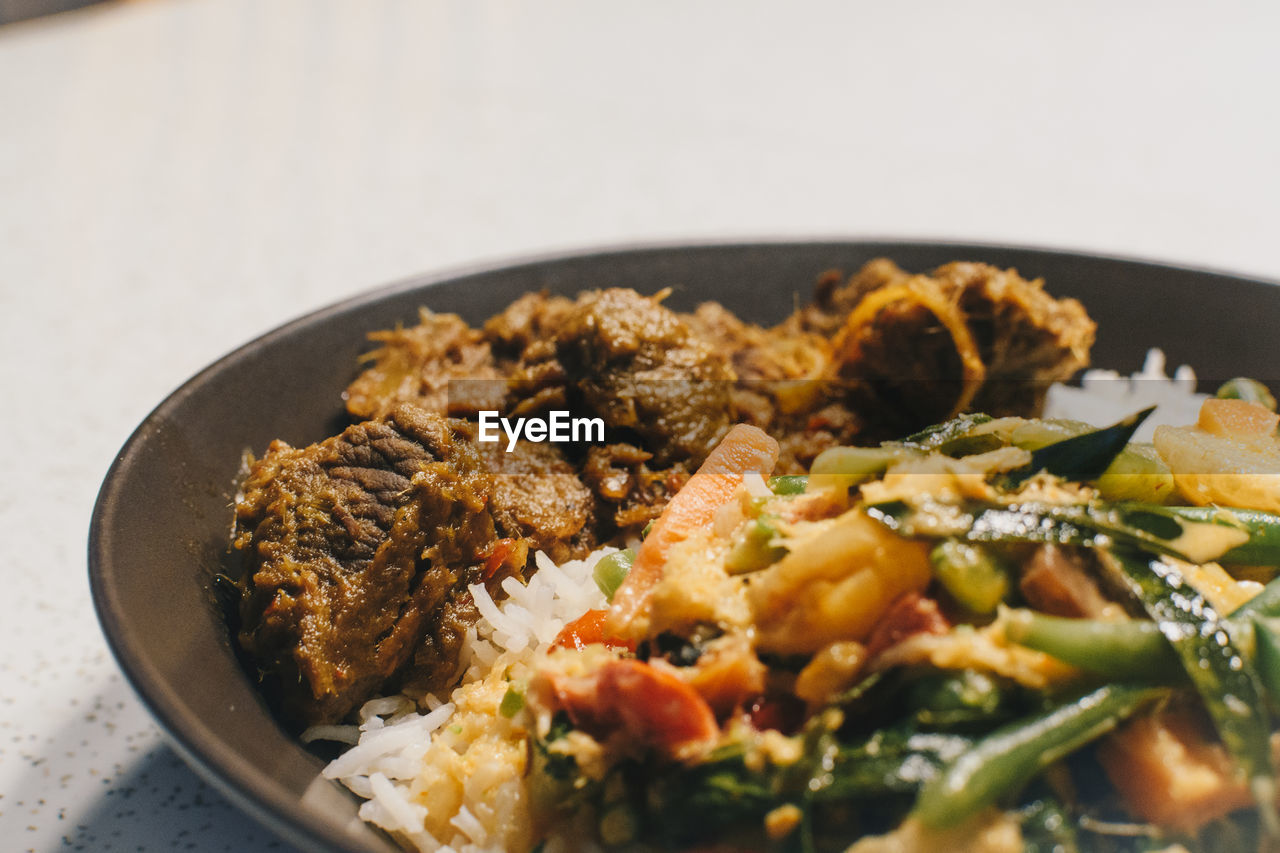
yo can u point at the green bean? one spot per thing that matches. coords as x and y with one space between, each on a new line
1250 390
789 484
1129 650
1267 655
1009 757
612 569
1137 474
852 465
974 576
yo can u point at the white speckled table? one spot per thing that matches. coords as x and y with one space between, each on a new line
177 176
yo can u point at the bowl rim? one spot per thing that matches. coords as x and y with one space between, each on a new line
198 745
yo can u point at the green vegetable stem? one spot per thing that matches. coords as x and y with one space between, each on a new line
1008 758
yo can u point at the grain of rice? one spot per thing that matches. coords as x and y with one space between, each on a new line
397 760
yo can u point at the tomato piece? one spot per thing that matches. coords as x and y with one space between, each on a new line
587 629
781 712
499 551
654 706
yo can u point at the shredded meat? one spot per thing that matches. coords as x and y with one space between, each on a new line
416 365
630 493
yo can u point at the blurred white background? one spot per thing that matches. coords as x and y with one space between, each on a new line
178 176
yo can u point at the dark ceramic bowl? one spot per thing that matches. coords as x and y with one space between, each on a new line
161 524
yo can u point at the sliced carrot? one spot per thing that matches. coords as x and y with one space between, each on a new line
745 448
1239 418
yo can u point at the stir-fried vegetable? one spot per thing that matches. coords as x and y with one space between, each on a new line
1009 757
1187 533
974 576
1127 650
1082 457
744 449
1219 669
938 631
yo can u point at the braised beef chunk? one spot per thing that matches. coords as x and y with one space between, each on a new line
915 349
834 299
415 365
526 330
645 371
355 547
1027 339
538 490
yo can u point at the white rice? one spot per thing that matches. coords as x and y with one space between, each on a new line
402 746
1105 396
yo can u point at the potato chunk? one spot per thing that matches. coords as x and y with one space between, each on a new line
837 580
1237 471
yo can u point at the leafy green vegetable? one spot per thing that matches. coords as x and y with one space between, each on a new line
878 776
1047 827
953 701
1082 457
1142 526
950 436
1262 528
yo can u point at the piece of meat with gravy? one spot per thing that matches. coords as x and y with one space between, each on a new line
359 550
645 371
